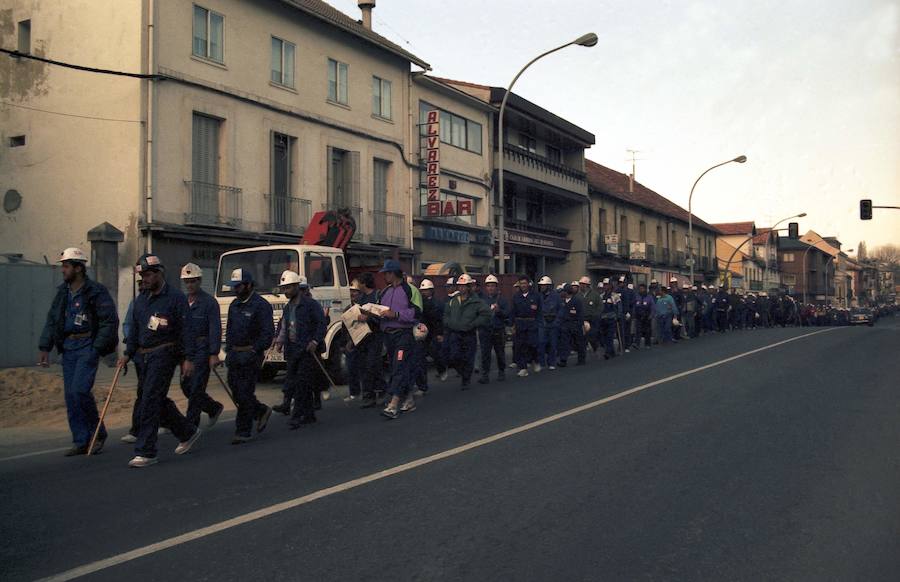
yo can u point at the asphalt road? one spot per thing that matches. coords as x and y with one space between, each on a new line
723 463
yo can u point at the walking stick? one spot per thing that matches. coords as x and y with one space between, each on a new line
325 394
225 386
619 335
105 408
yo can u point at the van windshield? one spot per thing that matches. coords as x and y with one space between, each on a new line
265 265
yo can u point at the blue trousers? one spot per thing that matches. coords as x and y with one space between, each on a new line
194 388
461 349
155 370
493 340
79 371
548 345
400 349
525 343
607 335
370 365
571 337
300 382
243 370
664 324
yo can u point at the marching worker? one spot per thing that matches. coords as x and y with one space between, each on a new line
249 335
590 302
548 334
157 345
82 325
354 374
690 311
610 314
433 344
626 291
464 314
720 303
203 339
644 312
493 338
526 314
572 325
368 352
302 337
404 307
666 311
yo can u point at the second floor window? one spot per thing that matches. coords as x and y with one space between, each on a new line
338 74
527 143
554 155
209 33
381 98
282 62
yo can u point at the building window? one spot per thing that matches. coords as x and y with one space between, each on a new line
337 82
282 164
789 279
642 230
673 242
24 40
381 98
455 130
601 230
659 237
343 180
787 258
623 229
17 141
554 155
282 62
209 30
527 143
205 149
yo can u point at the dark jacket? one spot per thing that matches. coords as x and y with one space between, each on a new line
170 308
202 328
500 313
468 315
302 321
250 324
433 316
101 311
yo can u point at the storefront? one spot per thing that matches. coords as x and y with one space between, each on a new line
445 242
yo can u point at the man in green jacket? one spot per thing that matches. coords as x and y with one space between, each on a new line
464 314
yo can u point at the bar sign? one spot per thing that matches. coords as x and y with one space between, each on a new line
433 162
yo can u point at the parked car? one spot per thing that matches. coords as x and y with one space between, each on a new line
862 315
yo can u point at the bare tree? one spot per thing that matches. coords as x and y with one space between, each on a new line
888 254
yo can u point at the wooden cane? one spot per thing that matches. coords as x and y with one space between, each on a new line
325 394
225 386
619 335
105 408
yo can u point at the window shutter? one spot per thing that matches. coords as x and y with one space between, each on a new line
329 164
352 170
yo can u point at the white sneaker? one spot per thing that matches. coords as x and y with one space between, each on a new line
140 461
627 350
443 377
128 438
522 373
513 365
537 368
325 395
184 447
163 431
349 398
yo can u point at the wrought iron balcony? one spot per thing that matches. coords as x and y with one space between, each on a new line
213 205
288 214
388 227
541 163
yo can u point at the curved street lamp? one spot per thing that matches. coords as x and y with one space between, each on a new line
588 40
739 160
751 237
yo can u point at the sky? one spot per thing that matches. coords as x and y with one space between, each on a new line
808 90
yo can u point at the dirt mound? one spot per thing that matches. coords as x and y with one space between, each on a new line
30 397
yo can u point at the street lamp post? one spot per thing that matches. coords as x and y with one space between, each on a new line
588 40
740 160
749 238
773 229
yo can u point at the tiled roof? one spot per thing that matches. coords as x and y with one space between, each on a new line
762 235
732 228
331 15
612 183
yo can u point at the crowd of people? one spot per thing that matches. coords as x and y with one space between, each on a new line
409 332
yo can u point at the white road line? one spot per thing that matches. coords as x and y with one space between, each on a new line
352 484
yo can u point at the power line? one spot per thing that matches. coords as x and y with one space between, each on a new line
17 54
70 114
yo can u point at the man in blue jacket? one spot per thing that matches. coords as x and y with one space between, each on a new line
203 339
571 315
527 316
493 336
249 335
157 346
302 336
644 312
82 325
548 334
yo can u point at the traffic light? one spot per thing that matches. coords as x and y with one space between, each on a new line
865 210
794 230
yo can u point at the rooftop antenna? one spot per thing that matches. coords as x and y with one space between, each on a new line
631 177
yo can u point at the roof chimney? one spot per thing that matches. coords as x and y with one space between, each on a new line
366 7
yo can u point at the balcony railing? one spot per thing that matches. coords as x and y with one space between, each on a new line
288 214
387 227
213 205
677 258
663 257
651 253
542 163
756 285
535 227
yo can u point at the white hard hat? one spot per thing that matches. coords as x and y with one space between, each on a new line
545 280
621 278
191 271
72 254
685 285
694 288
491 279
653 281
585 280
426 284
449 281
292 278
464 279
630 285
703 286
355 286
574 283
605 281
420 331
673 280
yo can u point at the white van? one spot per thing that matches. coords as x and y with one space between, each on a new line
326 271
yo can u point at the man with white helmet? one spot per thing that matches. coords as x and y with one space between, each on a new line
572 326
301 334
464 314
450 287
527 318
157 346
493 335
626 292
82 325
609 317
433 344
548 333
203 340
590 302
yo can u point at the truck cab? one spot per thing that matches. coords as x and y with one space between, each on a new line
325 269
